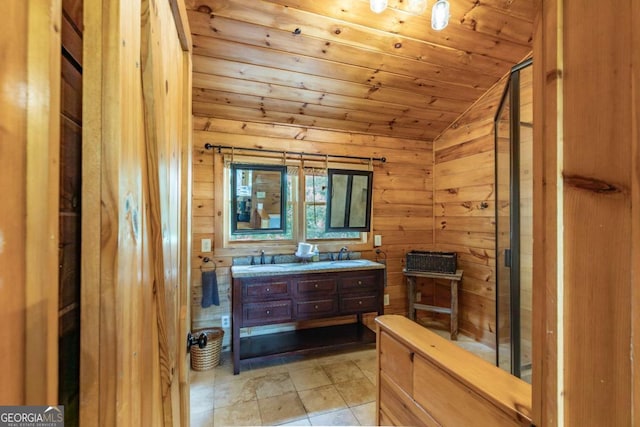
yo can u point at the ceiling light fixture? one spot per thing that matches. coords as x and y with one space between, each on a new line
378 6
417 7
440 15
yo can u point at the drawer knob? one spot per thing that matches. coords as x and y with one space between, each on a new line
360 302
268 311
268 290
316 307
315 286
359 282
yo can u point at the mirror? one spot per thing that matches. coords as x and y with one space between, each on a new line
349 204
258 195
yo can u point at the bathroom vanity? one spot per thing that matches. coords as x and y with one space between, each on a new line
270 294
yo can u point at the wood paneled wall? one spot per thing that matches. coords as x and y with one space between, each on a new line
29 184
464 212
136 111
402 199
586 215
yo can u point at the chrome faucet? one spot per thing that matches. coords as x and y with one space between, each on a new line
343 249
262 261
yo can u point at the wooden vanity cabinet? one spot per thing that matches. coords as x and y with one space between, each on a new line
315 297
266 300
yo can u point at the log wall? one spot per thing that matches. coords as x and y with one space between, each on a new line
464 212
402 199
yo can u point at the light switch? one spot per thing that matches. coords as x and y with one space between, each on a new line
377 240
206 245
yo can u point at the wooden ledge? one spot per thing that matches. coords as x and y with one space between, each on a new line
507 392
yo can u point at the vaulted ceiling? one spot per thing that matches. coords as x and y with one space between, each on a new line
334 64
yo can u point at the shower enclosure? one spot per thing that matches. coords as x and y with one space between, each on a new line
514 222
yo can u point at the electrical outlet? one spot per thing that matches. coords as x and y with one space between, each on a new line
206 245
418 296
377 240
386 299
225 322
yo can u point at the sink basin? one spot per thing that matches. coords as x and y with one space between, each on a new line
351 262
264 267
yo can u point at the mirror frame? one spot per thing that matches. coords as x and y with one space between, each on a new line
235 167
332 201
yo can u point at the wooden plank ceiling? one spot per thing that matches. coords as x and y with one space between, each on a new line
334 64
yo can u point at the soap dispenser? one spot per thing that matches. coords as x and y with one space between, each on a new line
316 254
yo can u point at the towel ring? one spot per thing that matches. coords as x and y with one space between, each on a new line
207 260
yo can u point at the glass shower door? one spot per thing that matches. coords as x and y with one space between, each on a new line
514 223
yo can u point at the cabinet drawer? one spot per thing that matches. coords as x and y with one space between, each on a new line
358 303
262 313
358 283
313 309
314 287
265 290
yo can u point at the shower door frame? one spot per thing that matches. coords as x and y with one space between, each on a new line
513 98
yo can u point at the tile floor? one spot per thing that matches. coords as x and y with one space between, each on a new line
332 389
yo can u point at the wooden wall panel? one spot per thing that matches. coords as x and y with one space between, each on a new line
464 210
29 182
586 187
587 194
13 211
402 199
135 130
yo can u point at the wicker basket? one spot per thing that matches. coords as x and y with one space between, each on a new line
203 359
435 262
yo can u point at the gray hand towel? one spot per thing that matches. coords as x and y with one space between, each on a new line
210 289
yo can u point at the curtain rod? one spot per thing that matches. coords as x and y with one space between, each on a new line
208 146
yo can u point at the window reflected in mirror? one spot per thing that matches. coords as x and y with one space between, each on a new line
258 195
349 206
